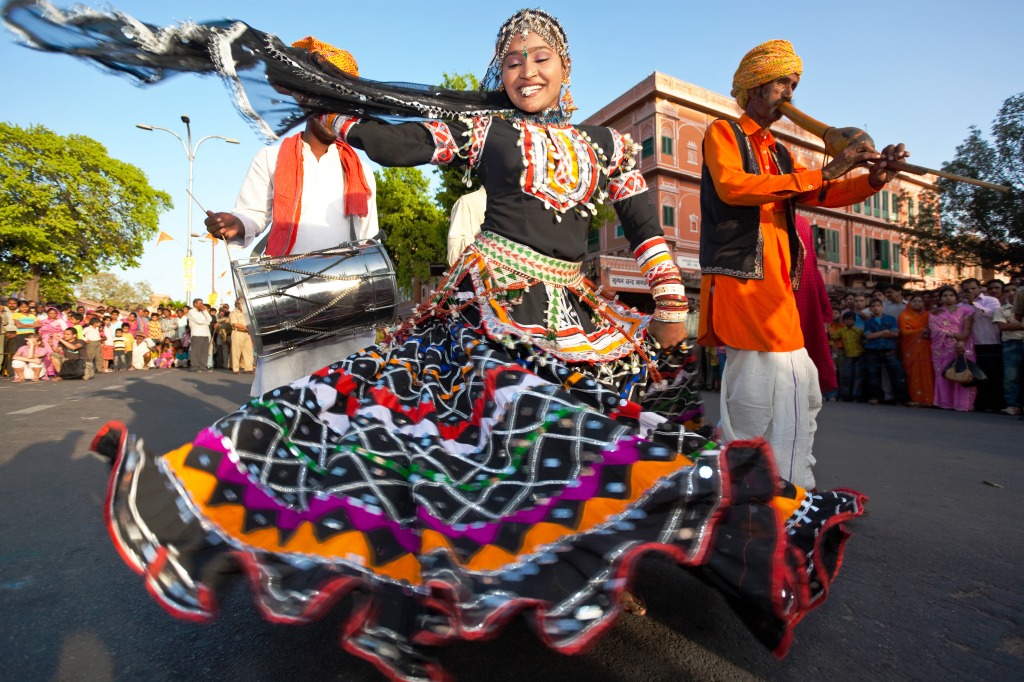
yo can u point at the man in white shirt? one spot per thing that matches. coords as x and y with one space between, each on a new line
1013 350
988 345
893 305
321 181
466 218
199 328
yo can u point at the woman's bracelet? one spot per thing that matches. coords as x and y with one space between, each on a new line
670 315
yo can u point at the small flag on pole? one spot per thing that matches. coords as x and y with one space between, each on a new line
163 237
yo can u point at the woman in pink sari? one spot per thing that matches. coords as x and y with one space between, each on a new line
950 325
51 330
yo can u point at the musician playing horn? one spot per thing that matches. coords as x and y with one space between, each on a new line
751 258
314 193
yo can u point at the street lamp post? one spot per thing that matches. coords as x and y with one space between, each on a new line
190 152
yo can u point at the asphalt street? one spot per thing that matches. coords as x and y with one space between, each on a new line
932 587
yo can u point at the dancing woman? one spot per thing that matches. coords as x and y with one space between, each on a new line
513 447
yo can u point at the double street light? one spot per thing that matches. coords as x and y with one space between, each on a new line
190 152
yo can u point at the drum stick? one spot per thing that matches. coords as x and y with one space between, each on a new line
201 208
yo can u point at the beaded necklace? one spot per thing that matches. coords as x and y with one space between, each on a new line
549 116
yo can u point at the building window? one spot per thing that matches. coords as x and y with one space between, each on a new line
878 253
911 258
666 145
885 203
910 208
618 232
856 208
647 148
858 249
896 201
876 209
593 241
867 206
826 244
819 241
832 246
691 153
694 223
668 216
896 253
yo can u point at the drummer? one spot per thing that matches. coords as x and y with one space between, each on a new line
313 192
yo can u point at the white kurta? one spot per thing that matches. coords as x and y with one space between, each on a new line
322 224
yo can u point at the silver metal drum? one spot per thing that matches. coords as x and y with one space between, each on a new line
295 300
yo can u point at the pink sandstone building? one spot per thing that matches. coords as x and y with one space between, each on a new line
857 246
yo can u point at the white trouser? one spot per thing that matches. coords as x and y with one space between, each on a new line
30 370
774 396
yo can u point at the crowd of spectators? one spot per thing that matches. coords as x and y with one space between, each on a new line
58 341
887 345
893 346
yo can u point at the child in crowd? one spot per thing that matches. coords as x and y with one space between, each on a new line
108 343
120 342
180 354
166 359
852 338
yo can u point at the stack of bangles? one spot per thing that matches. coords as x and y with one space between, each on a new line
663 278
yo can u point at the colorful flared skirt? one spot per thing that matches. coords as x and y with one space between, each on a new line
449 483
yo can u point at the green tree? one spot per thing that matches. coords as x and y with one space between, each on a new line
68 210
110 289
415 229
963 224
452 181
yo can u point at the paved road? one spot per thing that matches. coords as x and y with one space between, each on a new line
932 587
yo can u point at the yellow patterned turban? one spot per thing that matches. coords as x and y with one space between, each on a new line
763 64
336 57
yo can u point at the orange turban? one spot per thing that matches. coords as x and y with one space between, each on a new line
336 57
763 64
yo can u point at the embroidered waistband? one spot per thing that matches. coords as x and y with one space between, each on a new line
523 260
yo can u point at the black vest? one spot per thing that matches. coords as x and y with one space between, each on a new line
730 236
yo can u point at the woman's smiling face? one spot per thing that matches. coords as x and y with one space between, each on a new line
532 74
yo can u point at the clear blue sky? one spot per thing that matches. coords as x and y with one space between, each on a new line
914 71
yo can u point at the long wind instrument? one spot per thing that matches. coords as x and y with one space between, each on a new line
838 139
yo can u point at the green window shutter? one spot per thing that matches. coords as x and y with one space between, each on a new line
858 249
885 203
833 246
911 265
666 145
885 254
618 231
647 148
856 208
668 216
876 209
896 201
910 208
867 206
896 254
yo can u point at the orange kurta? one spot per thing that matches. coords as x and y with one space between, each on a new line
753 314
916 353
